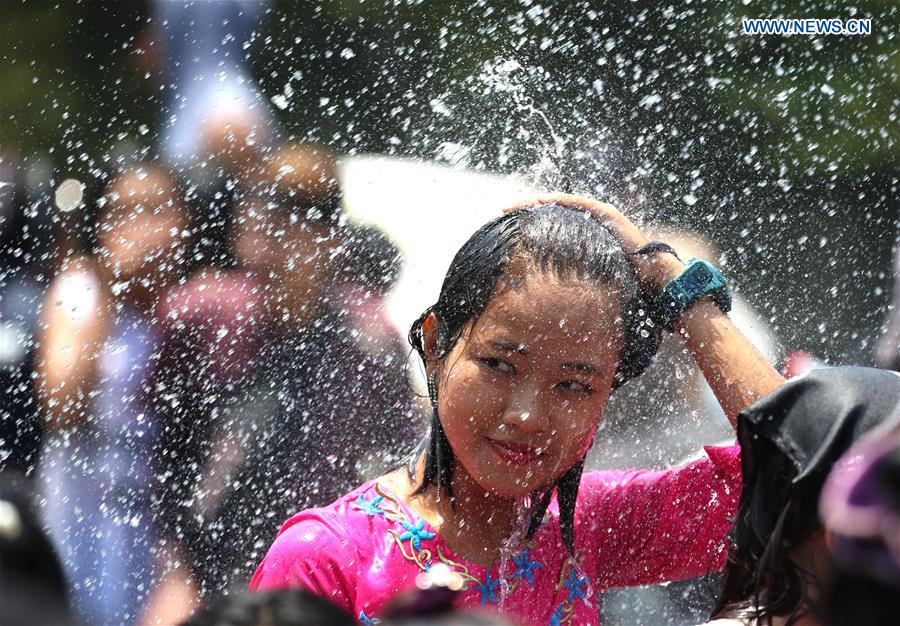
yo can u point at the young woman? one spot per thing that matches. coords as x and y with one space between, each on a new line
543 313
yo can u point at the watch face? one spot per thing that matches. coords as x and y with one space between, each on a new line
700 277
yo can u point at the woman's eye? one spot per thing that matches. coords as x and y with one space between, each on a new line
500 366
574 385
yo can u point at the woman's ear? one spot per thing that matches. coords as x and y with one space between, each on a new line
431 337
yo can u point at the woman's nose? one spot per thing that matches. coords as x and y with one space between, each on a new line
523 411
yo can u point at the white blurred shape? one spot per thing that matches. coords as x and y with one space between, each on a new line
68 195
429 211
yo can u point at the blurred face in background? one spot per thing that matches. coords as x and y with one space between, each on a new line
234 138
286 233
294 257
140 233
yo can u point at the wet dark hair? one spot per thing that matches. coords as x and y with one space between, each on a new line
287 607
557 241
761 581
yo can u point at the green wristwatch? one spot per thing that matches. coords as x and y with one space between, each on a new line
699 279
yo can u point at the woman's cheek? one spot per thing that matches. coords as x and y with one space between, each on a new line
473 402
576 434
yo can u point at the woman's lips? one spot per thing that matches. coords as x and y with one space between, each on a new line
515 453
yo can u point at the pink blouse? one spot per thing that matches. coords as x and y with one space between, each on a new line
631 528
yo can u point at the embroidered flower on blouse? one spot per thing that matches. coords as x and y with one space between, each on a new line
365 620
525 566
369 508
576 585
488 590
416 533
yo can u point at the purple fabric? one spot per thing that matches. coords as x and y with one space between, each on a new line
95 482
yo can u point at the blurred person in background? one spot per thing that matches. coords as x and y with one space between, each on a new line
216 121
216 116
26 264
778 564
96 353
371 269
860 510
32 583
278 398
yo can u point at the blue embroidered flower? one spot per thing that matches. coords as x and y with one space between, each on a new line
369 508
556 618
488 590
525 567
576 585
417 533
365 620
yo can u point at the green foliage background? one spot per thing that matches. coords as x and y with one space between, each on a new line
793 138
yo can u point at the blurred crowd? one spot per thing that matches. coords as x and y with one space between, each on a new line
202 350
187 350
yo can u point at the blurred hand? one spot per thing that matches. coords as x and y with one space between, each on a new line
76 322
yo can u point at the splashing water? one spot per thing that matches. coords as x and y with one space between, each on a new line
514 543
511 78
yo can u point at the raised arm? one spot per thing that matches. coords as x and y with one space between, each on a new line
74 325
735 370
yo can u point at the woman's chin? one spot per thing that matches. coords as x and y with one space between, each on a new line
507 483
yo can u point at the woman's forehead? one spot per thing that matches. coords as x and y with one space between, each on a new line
540 310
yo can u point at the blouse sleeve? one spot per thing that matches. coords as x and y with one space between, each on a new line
311 552
646 527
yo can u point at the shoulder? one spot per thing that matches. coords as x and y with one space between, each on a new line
717 465
725 460
645 526
315 549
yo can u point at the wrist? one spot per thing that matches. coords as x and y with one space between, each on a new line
697 281
657 270
705 309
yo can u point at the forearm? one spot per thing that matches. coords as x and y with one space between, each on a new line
75 326
65 376
736 371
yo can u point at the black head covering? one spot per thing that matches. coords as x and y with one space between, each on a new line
789 442
812 420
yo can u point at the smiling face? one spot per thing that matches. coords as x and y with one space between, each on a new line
522 391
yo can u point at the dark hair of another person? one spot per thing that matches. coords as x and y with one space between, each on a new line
32 583
302 180
789 441
286 607
372 259
558 242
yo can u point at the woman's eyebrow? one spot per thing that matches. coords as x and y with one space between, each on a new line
587 368
507 346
